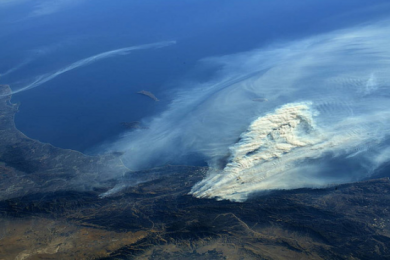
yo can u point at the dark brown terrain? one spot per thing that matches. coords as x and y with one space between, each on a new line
61 204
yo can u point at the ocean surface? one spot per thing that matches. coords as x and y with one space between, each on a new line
83 108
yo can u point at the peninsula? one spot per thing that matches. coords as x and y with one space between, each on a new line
61 204
5 90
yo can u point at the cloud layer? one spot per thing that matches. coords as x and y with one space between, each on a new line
326 97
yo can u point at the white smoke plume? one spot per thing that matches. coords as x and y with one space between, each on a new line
326 98
124 51
270 153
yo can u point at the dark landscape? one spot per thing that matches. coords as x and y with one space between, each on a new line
62 204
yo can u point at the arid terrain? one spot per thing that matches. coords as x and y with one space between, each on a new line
61 204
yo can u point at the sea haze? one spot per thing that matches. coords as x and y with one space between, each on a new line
84 108
195 129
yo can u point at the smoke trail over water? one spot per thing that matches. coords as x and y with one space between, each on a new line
324 117
124 51
15 68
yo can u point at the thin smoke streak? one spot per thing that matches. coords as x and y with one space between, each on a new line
15 68
39 80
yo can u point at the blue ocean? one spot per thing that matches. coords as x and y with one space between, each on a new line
83 108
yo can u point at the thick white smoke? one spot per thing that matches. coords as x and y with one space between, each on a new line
271 153
326 98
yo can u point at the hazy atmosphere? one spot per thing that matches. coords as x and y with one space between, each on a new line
224 101
212 83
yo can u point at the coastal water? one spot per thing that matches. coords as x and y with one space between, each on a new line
83 108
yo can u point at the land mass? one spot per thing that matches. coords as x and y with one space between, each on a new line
133 125
149 94
5 90
61 204
260 99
